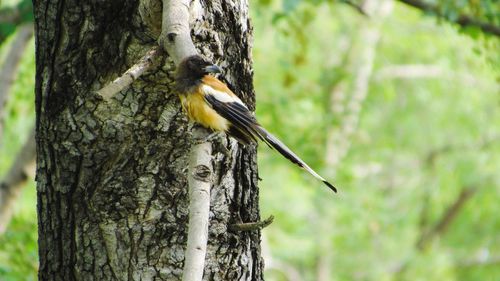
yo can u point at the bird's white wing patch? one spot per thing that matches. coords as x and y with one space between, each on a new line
221 96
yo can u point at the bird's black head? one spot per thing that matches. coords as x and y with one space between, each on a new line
194 68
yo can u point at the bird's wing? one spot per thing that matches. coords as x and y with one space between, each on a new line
234 110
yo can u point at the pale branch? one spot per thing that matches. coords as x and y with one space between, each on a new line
462 20
360 59
323 267
132 74
410 71
251 226
15 179
175 38
8 70
447 218
199 178
479 261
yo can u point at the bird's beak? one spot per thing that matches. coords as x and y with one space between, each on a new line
213 69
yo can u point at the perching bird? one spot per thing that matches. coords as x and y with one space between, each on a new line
209 102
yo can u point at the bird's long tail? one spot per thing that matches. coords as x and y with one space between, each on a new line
275 143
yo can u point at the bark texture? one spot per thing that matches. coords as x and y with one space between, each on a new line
112 177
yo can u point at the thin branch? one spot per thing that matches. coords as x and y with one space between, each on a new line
447 218
360 60
132 74
410 71
200 177
462 20
175 38
251 226
452 211
479 261
15 179
8 70
438 229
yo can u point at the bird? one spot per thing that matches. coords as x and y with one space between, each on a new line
208 101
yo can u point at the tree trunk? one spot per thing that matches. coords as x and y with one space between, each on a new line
111 177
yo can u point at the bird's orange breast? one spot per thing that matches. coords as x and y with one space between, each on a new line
199 111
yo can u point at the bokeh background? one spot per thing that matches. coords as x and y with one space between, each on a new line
398 107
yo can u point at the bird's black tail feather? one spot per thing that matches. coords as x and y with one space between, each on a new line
275 143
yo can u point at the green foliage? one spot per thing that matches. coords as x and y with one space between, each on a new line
19 112
18 246
370 229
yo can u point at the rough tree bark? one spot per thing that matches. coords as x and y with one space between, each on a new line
111 178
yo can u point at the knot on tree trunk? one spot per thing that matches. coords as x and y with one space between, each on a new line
171 37
202 173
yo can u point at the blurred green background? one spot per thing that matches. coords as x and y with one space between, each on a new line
399 109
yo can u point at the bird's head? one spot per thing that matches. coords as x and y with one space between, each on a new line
195 67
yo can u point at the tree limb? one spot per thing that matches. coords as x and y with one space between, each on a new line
200 178
251 226
462 20
448 216
360 60
15 179
479 261
438 229
8 70
122 82
175 38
